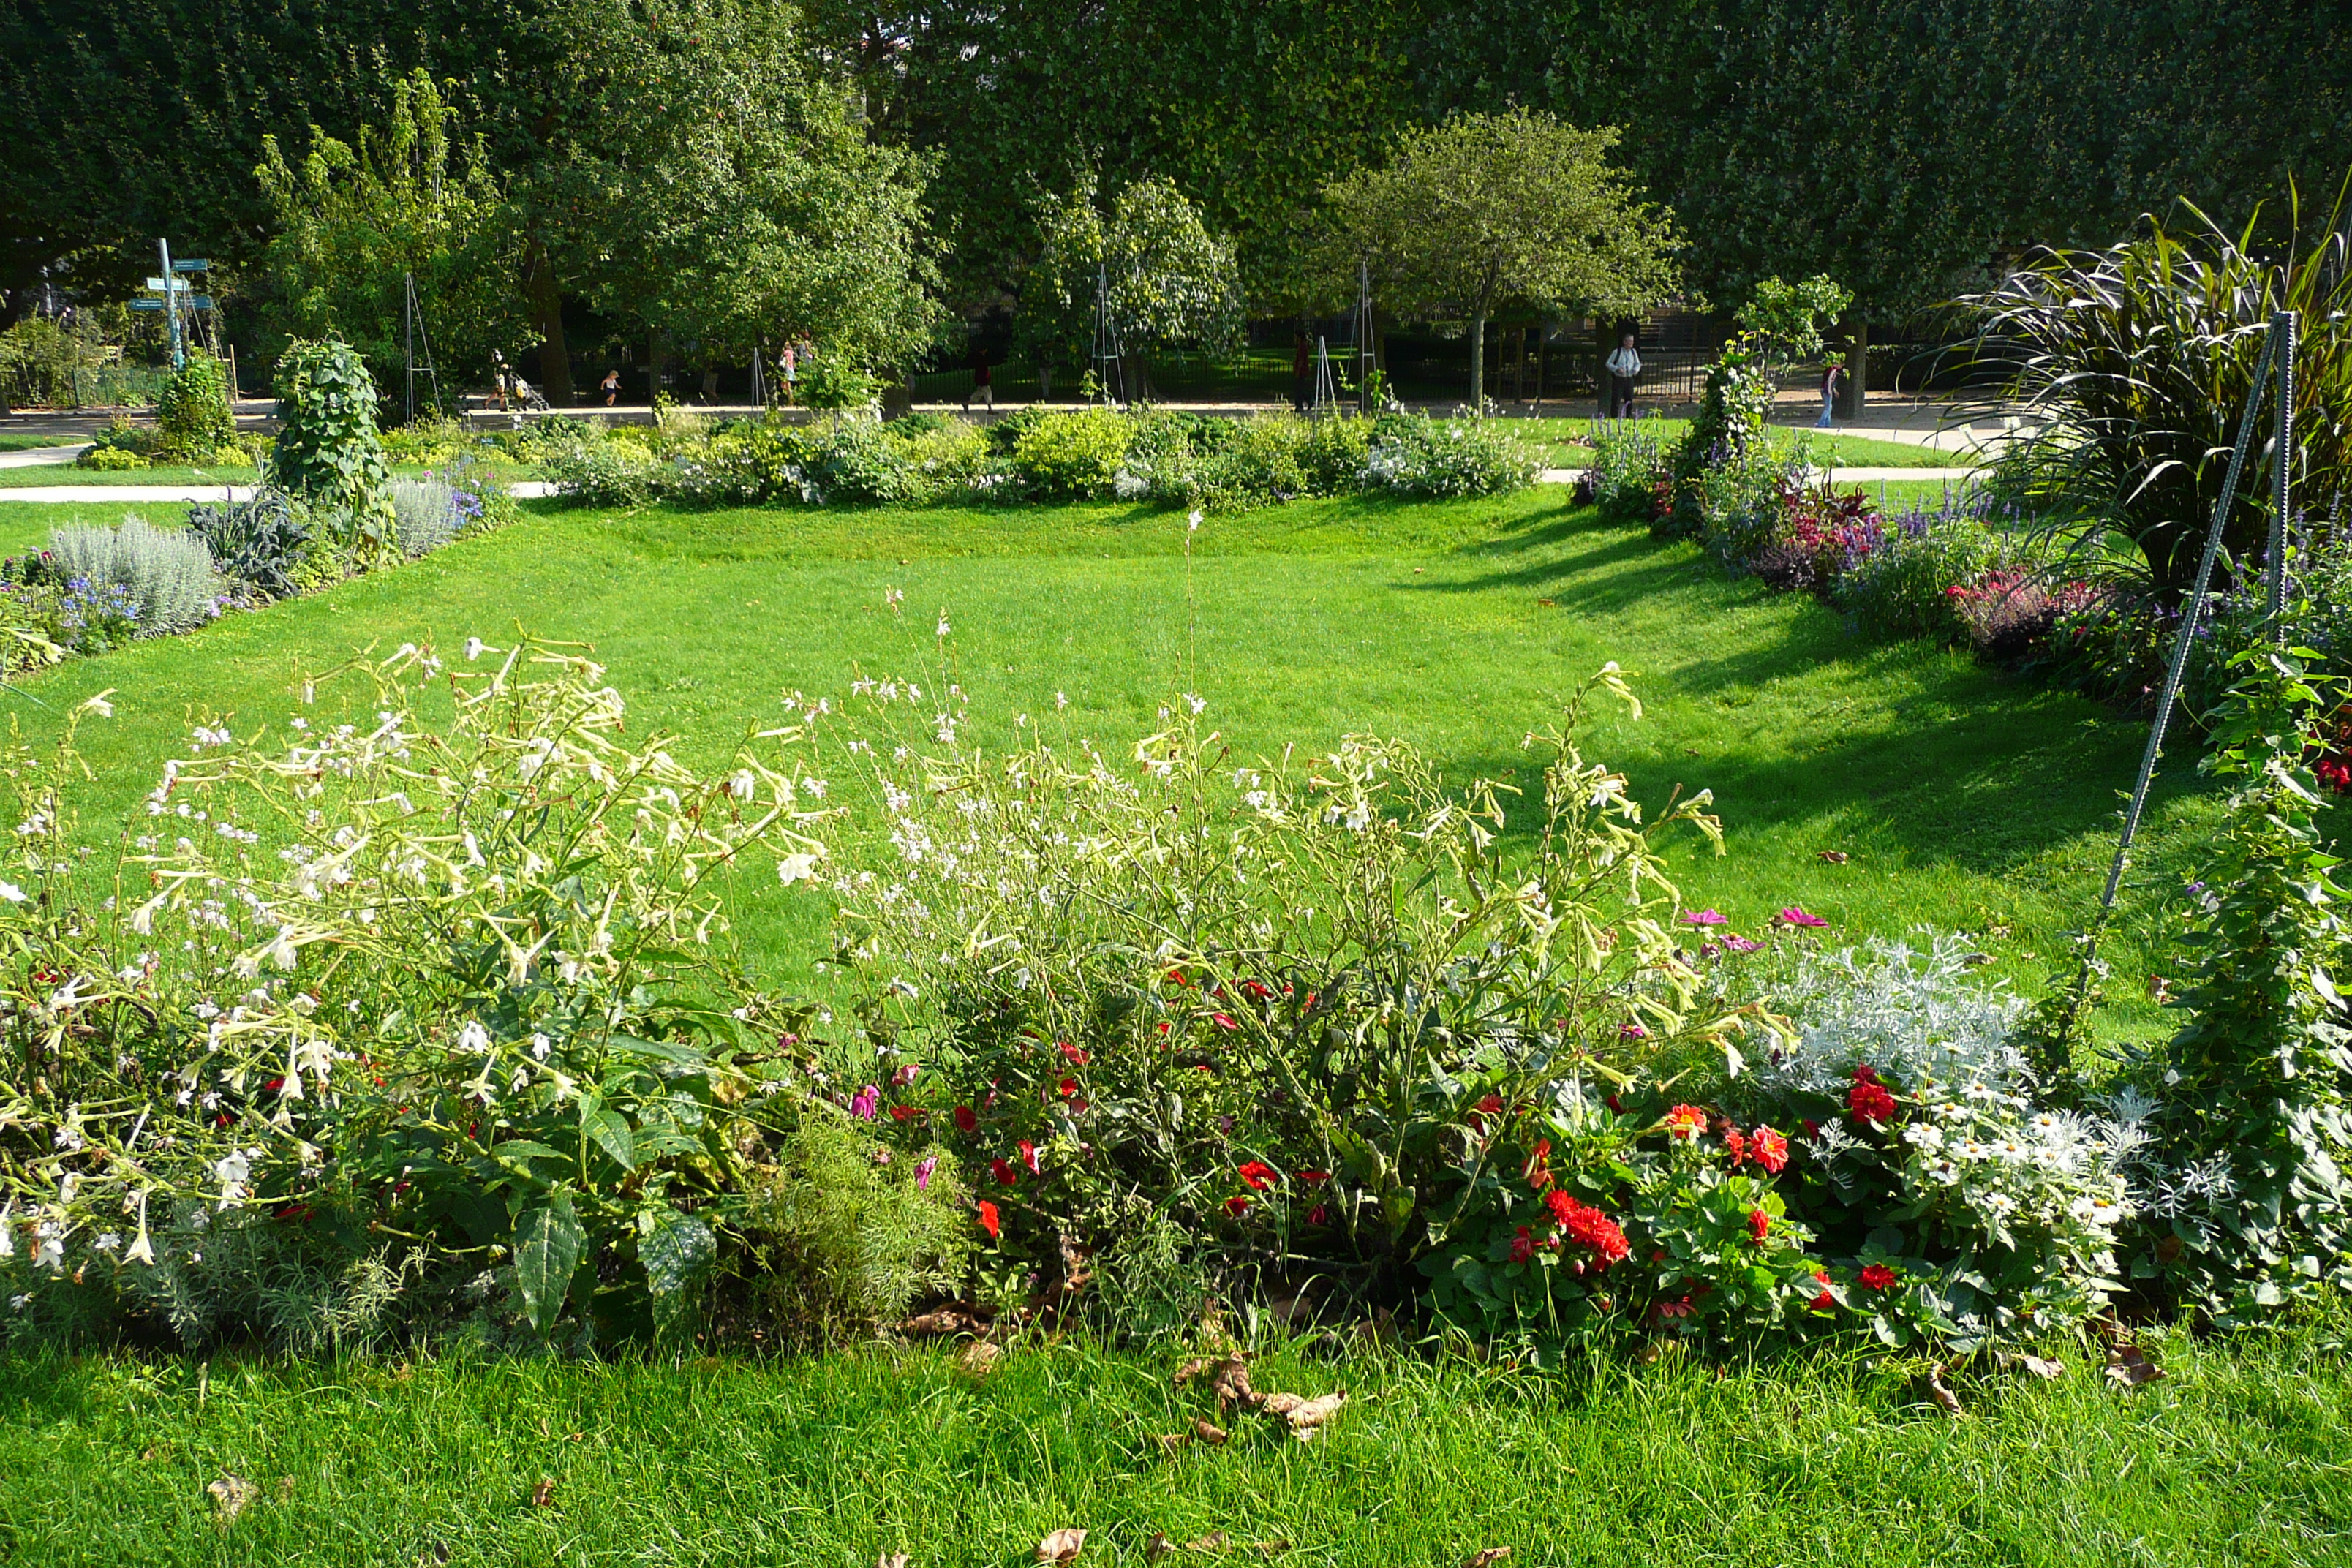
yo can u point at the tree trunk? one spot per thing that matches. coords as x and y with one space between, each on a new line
547 314
1478 365
1854 390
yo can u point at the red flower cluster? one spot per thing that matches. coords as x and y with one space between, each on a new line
1536 1171
966 1120
1878 1277
1587 1227
1522 1246
1824 1301
1238 1206
988 1220
1759 1226
1869 1099
1004 1171
1685 1121
1257 1175
1765 1146
1077 1057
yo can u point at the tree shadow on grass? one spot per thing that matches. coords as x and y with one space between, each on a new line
1985 793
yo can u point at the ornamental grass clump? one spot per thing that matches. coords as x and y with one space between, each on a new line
437 971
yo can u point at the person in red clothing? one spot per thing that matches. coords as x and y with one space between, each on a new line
1302 370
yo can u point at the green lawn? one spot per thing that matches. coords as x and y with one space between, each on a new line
2237 1455
1567 443
24 441
1962 799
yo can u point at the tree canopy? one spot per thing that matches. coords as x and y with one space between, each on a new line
1516 206
1165 278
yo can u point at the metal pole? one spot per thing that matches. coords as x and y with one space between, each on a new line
171 305
2193 607
2282 330
408 351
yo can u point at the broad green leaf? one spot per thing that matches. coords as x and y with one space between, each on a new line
548 1245
611 1133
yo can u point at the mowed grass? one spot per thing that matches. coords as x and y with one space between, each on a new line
1961 799
2237 1455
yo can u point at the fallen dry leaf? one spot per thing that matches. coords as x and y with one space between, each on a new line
1493 1555
1209 1432
544 1493
1212 1541
1173 1443
1303 1414
2128 1367
1062 1546
2047 1368
1835 857
1228 1377
1159 1546
978 1357
1546 604
891 1560
953 1319
232 1495
1945 1400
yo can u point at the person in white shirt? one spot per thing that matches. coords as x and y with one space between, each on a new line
1624 365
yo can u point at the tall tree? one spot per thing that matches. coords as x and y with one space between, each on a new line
354 225
1486 208
1163 277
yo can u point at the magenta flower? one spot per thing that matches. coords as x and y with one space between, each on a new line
1793 916
1633 1032
923 1174
865 1103
904 1076
1704 918
1738 943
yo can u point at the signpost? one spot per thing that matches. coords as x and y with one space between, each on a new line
178 294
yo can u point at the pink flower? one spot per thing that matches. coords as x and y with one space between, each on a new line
866 1103
1738 943
923 1174
1704 918
1222 1022
1029 1157
1632 1031
904 1076
1793 916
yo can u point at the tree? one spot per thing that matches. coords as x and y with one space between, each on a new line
1166 279
1486 208
354 223
706 179
1789 316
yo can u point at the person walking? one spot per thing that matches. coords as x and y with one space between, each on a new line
1302 371
500 377
1831 374
792 364
1624 368
981 386
610 387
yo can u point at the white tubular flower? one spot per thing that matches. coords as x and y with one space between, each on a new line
474 1037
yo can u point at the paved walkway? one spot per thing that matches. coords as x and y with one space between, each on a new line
523 490
534 489
41 457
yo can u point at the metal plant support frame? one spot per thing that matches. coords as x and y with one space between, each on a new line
2282 332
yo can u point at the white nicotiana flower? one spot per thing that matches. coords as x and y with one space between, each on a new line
539 1047
472 1037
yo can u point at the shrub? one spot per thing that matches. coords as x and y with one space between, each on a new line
846 1234
857 460
611 473
944 457
2253 1189
327 451
1745 503
168 577
477 995
193 418
425 513
1160 1044
1071 456
110 459
430 437
1928 1152
829 382
1414 455
260 542
1629 470
1903 589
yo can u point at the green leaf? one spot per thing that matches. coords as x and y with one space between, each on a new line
678 1248
611 1131
548 1245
